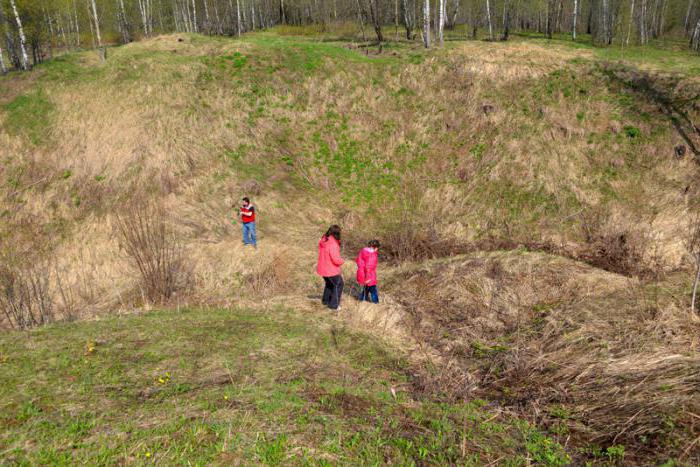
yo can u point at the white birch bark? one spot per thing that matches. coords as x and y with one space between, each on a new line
124 21
695 41
642 24
573 29
61 29
426 23
488 19
406 17
238 16
3 68
77 24
252 14
629 25
195 28
441 22
687 16
22 39
50 24
207 19
218 20
97 23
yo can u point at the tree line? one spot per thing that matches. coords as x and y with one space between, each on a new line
33 30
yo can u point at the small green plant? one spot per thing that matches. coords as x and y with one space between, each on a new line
477 151
559 411
27 411
66 174
545 450
272 452
615 453
632 131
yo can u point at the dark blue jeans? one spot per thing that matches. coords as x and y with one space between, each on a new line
370 294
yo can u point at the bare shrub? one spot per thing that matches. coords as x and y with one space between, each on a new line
271 275
692 244
614 248
153 247
25 296
408 232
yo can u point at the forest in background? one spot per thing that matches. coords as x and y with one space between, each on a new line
34 30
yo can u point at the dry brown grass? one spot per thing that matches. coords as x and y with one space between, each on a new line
593 354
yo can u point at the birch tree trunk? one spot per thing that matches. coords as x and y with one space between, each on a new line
97 23
49 21
573 28
77 24
396 19
687 16
642 24
62 30
207 18
22 39
488 19
426 23
92 28
125 22
629 25
360 15
441 22
3 68
218 20
695 39
195 27
238 17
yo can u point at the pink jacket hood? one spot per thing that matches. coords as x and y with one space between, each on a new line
329 260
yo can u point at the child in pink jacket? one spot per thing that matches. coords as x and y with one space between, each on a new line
367 261
328 267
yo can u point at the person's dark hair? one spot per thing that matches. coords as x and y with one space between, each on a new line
374 243
333 231
246 199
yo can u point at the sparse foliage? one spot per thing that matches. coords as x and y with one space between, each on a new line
154 249
25 295
693 247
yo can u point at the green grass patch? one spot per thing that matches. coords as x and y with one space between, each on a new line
29 115
230 386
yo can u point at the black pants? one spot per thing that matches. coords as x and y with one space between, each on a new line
333 291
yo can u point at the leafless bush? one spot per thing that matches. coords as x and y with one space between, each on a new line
692 243
620 252
153 247
618 249
271 275
407 233
25 296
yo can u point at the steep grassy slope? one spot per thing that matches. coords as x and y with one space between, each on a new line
196 387
518 146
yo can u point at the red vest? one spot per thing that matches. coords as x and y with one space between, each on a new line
248 214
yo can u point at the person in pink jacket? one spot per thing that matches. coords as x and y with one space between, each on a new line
367 261
328 267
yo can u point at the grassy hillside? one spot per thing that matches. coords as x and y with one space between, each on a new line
241 386
533 200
